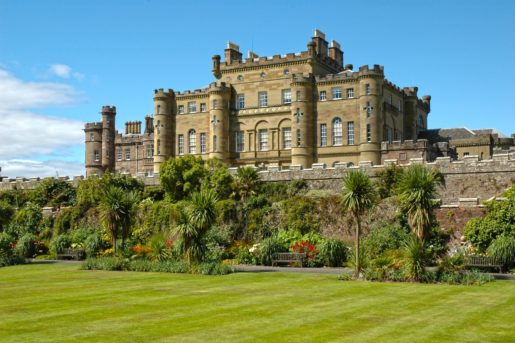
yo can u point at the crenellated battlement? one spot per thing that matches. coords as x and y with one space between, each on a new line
108 109
192 93
93 126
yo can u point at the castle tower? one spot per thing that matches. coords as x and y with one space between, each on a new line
302 119
108 127
219 99
370 113
93 142
410 112
164 120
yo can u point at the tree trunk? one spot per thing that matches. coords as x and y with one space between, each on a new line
358 234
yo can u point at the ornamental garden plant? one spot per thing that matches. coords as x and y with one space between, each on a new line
202 219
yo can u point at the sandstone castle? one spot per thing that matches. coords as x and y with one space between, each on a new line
286 111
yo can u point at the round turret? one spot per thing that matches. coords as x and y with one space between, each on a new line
219 99
108 128
370 114
93 149
302 121
164 103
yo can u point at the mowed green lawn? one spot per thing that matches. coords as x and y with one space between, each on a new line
59 303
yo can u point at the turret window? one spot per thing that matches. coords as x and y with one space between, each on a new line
337 131
287 138
92 137
239 138
203 143
323 134
192 107
337 93
158 109
263 140
192 142
350 133
299 138
263 99
180 145
286 96
369 133
128 153
215 104
367 89
350 93
298 95
215 143
240 101
181 109
96 155
323 95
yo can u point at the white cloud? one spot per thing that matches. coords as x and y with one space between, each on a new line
17 94
26 134
64 71
29 168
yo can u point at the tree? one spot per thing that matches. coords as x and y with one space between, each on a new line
6 214
359 194
181 177
220 180
417 190
194 223
54 192
117 208
246 183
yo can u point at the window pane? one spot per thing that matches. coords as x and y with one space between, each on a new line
323 134
263 140
287 138
350 133
337 131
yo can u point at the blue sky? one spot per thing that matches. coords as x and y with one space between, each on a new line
60 61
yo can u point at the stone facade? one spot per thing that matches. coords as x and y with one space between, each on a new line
288 110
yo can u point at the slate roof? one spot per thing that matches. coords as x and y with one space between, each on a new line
445 135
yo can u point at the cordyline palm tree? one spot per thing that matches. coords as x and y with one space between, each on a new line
194 222
246 182
117 209
359 194
417 190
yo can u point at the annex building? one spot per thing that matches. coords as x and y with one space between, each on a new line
289 110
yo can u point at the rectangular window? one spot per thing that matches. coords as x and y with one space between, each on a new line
240 141
203 140
350 133
337 93
192 107
192 142
299 138
240 101
367 89
263 140
298 96
369 133
181 145
202 107
215 104
92 137
368 108
350 93
96 155
263 99
323 134
287 138
337 132
150 150
119 154
181 109
286 96
128 154
323 95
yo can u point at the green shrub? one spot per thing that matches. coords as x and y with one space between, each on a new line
333 252
7 243
26 220
415 258
11 260
160 251
384 237
142 265
94 244
468 277
60 243
178 267
502 249
26 246
269 247
213 268
106 263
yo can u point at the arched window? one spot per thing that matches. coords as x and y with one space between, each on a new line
192 141
337 131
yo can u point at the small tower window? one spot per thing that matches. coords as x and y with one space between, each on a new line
367 89
92 137
96 155
299 139
369 133
158 109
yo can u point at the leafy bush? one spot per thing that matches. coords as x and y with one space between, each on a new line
60 243
308 248
11 260
384 237
213 268
333 252
106 263
94 244
499 221
26 246
26 220
54 192
502 249
468 277
301 214
6 214
415 258
7 243
269 247
160 248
